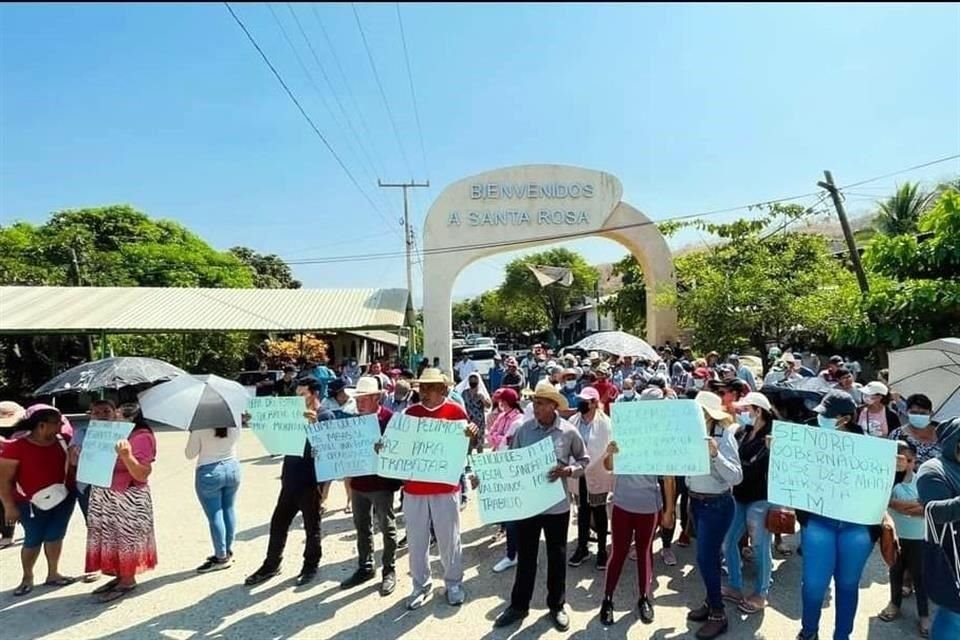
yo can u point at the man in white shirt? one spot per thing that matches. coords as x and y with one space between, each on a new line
464 367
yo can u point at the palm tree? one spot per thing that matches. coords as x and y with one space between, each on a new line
901 211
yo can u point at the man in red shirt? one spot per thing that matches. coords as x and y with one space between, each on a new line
434 503
373 493
607 390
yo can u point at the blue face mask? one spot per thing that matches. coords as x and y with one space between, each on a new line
826 423
919 420
745 419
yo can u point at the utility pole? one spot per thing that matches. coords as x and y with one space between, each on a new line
847 233
408 239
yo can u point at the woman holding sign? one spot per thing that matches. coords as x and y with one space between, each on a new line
712 506
33 479
120 538
636 512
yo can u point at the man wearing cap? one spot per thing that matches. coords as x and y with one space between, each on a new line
495 375
513 377
338 400
434 504
596 483
373 494
554 521
286 387
607 390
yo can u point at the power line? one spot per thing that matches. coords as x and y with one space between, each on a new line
413 95
300 108
346 83
383 94
896 173
346 116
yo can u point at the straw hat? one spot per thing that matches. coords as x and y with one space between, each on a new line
546 391
433 376
712 404
367 385
10 413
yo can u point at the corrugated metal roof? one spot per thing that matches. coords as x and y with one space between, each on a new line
385 337
157 310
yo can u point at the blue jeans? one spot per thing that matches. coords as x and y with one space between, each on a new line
838 550
216 485
712 518
946 625
752 517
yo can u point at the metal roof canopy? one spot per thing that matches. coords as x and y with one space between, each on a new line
116 310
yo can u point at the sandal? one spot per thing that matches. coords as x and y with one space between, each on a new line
6 543
62 581
104 588
23 589
732 597
889 614
116 593
749 606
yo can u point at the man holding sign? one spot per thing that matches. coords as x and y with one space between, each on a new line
433 504
553 521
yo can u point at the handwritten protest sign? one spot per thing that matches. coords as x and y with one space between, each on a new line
279 424
344 448
660 438
514 484
98 453
423 449
831 473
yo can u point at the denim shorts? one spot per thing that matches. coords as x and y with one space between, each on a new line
41 526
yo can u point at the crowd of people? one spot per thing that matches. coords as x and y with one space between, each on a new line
725 513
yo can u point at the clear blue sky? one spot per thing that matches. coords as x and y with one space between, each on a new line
694 108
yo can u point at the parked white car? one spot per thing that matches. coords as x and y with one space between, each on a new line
482 357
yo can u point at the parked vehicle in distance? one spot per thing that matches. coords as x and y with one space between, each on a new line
483 358
484 342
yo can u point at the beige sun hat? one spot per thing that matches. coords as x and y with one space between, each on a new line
10 413
546 391
433 376
713 405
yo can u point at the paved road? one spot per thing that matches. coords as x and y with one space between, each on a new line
174 602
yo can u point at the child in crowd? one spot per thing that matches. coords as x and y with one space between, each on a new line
907 514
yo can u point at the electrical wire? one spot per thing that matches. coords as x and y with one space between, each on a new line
296 102
383 94
896 173
413 94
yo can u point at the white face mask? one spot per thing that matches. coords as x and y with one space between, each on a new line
629 393
570 384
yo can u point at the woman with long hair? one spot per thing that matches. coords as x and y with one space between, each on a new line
120 536
216 482
33 489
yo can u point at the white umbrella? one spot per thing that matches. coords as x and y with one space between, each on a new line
195 402
933 369
618 343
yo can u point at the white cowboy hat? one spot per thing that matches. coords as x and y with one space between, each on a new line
433 376
546 391
713 405
367 385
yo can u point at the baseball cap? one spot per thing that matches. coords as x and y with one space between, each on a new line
754 399
836 403
589 393
836 359
875 388
335 387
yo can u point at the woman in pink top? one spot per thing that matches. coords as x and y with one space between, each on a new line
508 418
120 537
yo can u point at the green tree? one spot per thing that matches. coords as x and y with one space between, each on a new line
900 212
522 287
629 304
269 271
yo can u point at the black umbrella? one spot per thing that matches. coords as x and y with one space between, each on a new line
110 373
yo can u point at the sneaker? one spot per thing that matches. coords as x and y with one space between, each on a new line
645 608
606 612
456 595
801 636
388 584
418 598
578 557
307 574
402 543
213 564
684 540
504 564
561 621
601 561
359 577
669 558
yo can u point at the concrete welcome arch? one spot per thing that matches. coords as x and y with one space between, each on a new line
527 206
